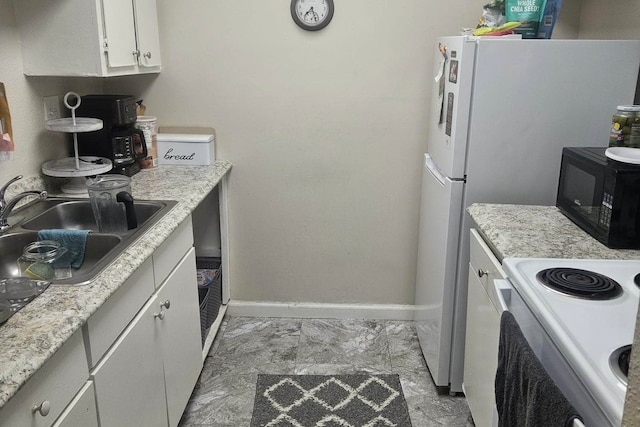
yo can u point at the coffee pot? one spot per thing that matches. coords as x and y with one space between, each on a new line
118 140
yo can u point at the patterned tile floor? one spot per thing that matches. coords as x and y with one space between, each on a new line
246 346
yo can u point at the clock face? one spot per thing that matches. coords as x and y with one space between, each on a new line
312 14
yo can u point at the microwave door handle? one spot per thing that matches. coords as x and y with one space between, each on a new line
503 292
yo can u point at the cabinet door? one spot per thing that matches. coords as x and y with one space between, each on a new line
50 389
81 411
128 380
481 352
483 332
180 335
146 17
120 32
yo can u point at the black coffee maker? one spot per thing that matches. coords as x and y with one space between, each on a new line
118 140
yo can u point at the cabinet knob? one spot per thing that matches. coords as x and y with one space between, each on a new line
147 55
43 408
481 272
163 305
136 53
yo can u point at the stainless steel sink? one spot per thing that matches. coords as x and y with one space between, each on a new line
62 213
77 215
99 247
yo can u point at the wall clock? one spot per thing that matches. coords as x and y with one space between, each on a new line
312 15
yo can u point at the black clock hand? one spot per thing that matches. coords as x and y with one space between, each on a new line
313 14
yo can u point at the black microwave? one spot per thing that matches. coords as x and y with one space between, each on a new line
601 195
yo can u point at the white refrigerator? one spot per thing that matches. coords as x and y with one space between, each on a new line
502 109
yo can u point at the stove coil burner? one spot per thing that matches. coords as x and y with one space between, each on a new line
580 283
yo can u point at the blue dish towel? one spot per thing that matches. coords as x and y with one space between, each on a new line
74 241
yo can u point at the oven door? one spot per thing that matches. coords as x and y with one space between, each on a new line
550 357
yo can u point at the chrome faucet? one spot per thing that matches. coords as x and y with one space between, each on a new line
4 190
7 207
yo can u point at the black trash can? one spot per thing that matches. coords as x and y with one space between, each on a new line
209 291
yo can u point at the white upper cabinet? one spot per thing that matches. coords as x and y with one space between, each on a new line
147 33
99 38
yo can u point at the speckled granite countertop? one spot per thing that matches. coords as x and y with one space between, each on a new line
524 231
37 331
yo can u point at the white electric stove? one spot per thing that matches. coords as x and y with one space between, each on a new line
582 340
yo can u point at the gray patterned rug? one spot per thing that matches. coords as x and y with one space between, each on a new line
329 401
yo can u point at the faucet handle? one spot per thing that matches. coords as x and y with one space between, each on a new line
3 190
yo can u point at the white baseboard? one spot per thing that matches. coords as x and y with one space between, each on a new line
308 310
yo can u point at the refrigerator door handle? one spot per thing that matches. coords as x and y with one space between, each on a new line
433 169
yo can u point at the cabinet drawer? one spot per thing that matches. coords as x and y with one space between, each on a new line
484 264
56 383
104 326
171 251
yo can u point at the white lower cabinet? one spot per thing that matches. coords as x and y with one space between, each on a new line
129 379
43 398
136 360
147 375
81 411
179 331
482 335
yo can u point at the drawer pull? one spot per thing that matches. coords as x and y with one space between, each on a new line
165 304
481 272
43 408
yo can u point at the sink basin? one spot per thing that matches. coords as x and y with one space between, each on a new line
62 213
98 247
77 215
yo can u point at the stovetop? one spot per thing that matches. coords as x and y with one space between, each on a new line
587 332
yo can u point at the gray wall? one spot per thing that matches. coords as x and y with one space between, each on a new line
325 131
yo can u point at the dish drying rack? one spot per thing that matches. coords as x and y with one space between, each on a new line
76 168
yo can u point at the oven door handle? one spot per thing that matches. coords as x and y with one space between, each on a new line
503 291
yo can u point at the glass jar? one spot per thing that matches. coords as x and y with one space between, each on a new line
44 260
625 127
149 127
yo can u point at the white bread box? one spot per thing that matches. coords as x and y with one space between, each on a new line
188 146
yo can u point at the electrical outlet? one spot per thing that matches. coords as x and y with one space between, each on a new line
51 107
